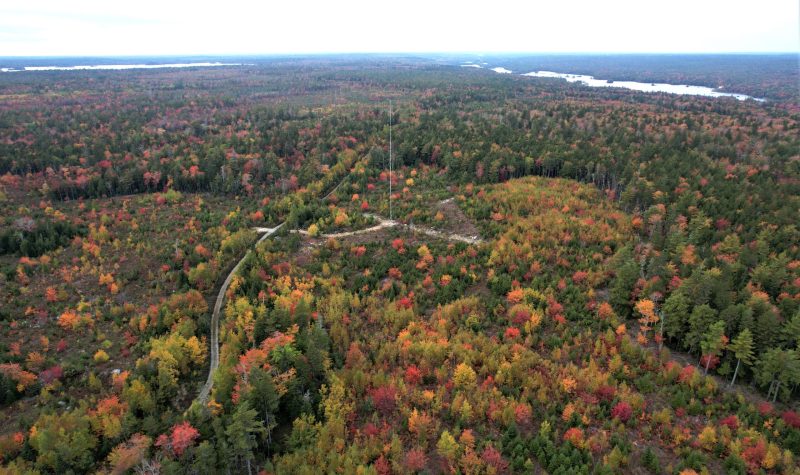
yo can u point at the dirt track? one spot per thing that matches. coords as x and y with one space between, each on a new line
202 397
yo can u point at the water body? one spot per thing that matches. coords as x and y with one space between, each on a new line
117 67
641 86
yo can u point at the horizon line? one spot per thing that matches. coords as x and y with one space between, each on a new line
405 53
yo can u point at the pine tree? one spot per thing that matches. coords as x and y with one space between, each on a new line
205 458
264 398
626 276
792 331
675 313
713 342
242 433
778 367
700 320
742 348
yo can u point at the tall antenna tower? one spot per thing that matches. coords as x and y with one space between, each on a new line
390 161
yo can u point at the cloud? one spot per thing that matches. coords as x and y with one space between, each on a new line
149 27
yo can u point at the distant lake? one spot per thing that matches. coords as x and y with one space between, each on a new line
94 67
642 86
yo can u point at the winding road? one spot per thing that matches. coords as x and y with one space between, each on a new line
388 223
205 391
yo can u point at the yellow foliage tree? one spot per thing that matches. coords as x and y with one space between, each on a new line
707 438
464 376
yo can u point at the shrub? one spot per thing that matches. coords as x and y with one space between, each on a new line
622 411
101 357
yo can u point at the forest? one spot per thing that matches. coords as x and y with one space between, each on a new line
216 270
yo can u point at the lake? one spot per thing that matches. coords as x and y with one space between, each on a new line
116 67
642 86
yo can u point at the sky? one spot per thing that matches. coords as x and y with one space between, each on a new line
230 27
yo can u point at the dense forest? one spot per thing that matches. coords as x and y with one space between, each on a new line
561 280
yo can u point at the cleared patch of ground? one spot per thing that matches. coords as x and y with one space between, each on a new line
454 220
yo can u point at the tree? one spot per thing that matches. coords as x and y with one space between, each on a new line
242 433
316 357
700 320
384 399
713 342
464 376
622 411
647 309
742 348
448 447
415 460
106 419
205 458
129 453
626 276
792 331
63 442
675 314
139 397
264 398
183 437
778 366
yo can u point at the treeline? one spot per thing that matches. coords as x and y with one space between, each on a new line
41 237
773 76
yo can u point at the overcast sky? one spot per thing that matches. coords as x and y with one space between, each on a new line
168 27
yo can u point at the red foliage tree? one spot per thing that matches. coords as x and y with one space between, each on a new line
370 430
415 460
579 276
731 421
765 408
687 373
605 393
51 374
493 458
404 303
511 333
522 414
574 435
398 245
791 418
382 466
622 411
753 453
384 398
181 438
413 375
711 364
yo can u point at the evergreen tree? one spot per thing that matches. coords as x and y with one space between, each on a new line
701 318
791 332
713 342
205 458
675 314
626 276
264 398
778 367
242 433
742 348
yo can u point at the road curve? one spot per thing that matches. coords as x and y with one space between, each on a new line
205 391
387 223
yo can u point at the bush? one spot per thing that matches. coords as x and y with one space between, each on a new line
622 411
101 357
